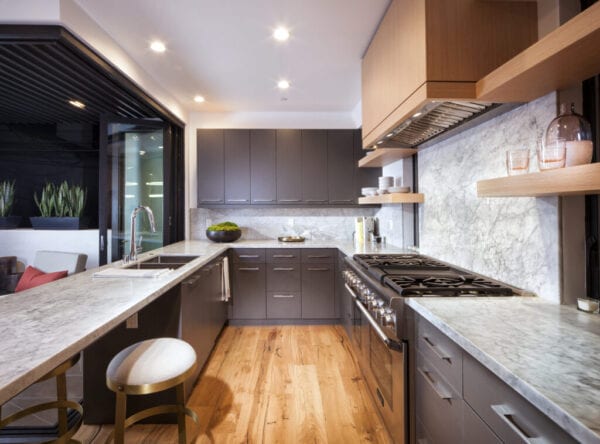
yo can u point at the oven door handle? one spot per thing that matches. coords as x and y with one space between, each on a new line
390 343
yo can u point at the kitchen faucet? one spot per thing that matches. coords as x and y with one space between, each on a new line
133 248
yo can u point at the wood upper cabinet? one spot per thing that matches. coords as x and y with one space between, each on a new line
437 50
314 167
341 167
289 166
263 166
210 158
237 166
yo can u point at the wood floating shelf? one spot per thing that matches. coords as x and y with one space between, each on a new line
582 179
384 156
567 55
392 198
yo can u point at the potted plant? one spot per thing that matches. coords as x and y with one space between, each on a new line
223 232
7 198
61 207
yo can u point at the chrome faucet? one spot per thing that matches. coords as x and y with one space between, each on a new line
133 248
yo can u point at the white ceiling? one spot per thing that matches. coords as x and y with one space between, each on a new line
223 49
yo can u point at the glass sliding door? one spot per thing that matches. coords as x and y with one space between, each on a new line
135 159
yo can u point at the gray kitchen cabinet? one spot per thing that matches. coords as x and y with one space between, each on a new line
314 167
237 166
210 166
341 167
289 162
263 167
203 312
249 284
318 292
283 284
457 400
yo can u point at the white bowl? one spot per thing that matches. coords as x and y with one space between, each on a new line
368 191
382 191
399 189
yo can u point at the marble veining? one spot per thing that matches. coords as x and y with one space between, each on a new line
325 224
548 353
46 325
515 240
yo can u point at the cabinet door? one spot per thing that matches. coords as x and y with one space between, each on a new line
249 291
364 177
341 167
289 166
318 298
237 166
216 306
263 166
210 159
314 167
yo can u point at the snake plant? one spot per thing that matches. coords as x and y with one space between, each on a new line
7 197
62 200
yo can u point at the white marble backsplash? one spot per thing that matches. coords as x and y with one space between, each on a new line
515 240
269 223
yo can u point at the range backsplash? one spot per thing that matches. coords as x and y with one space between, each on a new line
515 240
269 223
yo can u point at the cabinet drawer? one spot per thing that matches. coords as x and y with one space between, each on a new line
475 430
248 255
284 305
438 407
283 277
441 352
283 255
318 255
507 413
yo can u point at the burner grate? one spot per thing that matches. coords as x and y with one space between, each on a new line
446 286
399 261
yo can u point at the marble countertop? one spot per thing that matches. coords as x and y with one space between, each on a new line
44 326
548 353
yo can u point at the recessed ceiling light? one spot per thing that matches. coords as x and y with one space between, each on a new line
283 84
77 104
281 34
158 46
198 99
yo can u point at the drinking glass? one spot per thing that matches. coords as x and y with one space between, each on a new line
517 161
551 155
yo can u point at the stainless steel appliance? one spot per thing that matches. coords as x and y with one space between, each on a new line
376 286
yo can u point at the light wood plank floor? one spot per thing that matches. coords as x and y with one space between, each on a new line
275 384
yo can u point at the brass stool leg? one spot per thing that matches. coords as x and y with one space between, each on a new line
120 416
181 414
61 395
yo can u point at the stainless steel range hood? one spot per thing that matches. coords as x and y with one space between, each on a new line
433 119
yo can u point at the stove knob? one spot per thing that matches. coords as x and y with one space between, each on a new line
389 320
380 303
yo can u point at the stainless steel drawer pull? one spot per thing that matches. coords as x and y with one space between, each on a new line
440 391
283 269
246 256
249 269
237 200
263 200
507 415
283 296
318 256
318 269
316 200
289 200
211 200
283 255
435 350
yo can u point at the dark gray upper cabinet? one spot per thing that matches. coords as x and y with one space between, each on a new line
289 166
237 166
364 177
314 167
263 166
210 158
341 167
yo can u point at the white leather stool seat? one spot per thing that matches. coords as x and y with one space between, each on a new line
150 365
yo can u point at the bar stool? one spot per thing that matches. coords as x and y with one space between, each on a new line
148 367
62 404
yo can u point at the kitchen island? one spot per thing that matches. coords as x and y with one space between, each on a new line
548 353
46 325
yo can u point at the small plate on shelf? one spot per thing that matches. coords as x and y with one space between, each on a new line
399 190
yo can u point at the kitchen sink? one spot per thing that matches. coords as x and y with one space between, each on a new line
152 266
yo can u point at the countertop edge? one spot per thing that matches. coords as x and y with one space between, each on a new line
562 418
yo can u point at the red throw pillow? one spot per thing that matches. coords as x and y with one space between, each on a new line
32 277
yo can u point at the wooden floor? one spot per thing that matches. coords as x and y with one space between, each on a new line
276 384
